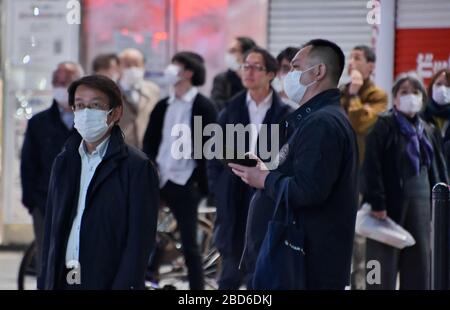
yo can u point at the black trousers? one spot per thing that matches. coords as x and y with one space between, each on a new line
38 228
413 263
231 277
183 202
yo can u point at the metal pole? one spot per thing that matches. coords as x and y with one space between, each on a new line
440 246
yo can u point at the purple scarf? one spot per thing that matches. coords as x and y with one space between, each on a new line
416 140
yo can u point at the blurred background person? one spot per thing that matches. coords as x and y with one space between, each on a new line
403 161
284 59
140 96
362 101
182 181
228 83
107 65
437 111
361 98
258 104
45 136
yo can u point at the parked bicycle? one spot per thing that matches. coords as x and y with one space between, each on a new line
27 277
169 265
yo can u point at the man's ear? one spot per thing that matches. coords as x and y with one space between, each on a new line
271 75
116 114
320 72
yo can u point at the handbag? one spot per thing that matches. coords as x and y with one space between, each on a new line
280 264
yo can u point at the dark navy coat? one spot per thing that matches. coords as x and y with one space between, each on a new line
119 222
44 139
321 166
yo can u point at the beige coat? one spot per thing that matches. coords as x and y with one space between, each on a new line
135 119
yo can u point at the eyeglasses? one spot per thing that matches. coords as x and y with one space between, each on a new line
94 106
248 67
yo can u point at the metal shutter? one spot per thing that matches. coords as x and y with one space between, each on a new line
293 22
421 39
423 14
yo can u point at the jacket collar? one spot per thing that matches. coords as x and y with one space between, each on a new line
321 100
116 147
56 116
242 108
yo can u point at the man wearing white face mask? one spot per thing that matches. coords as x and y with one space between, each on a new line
45 136
228 83
140 96
183 180
284 59
100 223
319 167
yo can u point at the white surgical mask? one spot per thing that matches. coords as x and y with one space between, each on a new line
61 96
231 62
91 124
441 94
171 74
410 103
131 77
292 86
277 83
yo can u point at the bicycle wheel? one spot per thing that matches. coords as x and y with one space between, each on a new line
210 255
27 270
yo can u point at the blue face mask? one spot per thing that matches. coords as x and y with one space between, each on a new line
292 86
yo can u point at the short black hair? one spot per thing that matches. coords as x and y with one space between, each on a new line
415 82
103 61
270 62
369 54
192 62
101 83
330 54
246 44
288 53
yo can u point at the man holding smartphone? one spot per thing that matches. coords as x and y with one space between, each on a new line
319 168
257 105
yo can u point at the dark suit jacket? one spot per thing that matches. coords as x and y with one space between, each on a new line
119 222
202 107
44 139
231 194
225 86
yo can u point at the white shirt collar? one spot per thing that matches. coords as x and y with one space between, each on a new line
188 97
265 104
100 150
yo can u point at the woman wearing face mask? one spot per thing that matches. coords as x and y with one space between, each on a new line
403 161
437 111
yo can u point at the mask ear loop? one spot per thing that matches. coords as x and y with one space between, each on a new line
310 68
112 123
